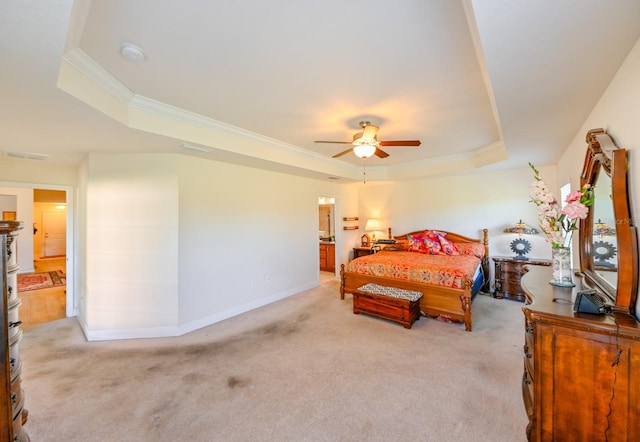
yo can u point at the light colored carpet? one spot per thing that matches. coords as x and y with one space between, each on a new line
302 369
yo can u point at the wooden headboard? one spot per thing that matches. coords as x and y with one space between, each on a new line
453 237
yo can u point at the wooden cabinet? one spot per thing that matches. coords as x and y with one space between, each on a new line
508 272
362 251
581 371
328 257
12 412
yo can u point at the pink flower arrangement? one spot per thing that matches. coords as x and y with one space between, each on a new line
555 222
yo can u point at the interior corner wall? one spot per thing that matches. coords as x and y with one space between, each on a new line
80 249
172 243
131 285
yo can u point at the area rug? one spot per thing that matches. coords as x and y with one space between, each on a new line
44 280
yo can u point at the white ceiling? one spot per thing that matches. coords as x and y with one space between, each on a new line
483 84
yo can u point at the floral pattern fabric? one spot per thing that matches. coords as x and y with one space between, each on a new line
443 270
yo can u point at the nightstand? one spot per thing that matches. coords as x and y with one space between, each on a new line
362 251
508 271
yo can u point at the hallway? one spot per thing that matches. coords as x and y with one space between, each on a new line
44 305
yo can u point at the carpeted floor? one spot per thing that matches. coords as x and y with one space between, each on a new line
302 369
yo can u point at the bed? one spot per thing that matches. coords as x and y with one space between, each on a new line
448 279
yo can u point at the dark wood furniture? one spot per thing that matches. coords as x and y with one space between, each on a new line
436 301
507 273
397 309
13 415
581 370
327 257
362 251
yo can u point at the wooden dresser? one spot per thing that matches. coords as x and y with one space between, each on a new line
508 272
581 371
327 257
12 412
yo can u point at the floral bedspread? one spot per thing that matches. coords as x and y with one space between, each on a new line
444 270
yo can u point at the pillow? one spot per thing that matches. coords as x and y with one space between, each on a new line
446 246
416 244
432 244
470 248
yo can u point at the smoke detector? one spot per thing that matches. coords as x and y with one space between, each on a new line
132 52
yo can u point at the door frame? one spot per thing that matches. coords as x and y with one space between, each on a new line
71 307
336 232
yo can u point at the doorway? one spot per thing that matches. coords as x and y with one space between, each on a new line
49 257
33 200
327 236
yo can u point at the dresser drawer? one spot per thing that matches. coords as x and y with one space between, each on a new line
17 397
14 354
12 286
527 393
511 287
515 270
13 317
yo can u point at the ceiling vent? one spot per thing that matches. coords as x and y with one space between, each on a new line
28 155
194 148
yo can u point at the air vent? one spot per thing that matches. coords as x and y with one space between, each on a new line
28 155
195 148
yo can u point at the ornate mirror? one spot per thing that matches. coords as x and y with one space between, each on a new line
608 243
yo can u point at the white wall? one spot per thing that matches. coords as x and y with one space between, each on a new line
247 237
24 213
174 243
464 204
131 244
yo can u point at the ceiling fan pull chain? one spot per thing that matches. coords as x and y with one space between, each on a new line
364 171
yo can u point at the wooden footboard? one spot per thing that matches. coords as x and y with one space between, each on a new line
437 301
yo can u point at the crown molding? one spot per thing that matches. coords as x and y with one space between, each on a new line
84 78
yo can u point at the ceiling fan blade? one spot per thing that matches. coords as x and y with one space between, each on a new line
343 153
380 153
369 132
334 142
401 143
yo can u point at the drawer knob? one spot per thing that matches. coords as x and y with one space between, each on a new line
526 352
15 324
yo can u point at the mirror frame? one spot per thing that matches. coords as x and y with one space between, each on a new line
604 155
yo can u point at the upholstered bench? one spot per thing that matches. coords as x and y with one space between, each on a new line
391 303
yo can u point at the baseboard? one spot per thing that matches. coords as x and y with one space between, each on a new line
172 331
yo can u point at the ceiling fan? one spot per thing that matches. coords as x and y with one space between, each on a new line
366 143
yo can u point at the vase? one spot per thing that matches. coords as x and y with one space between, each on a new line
561 263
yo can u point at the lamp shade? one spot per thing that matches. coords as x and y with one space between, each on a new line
373 224
364 150
521 228
603 229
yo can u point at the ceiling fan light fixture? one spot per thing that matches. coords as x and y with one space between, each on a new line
364 150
